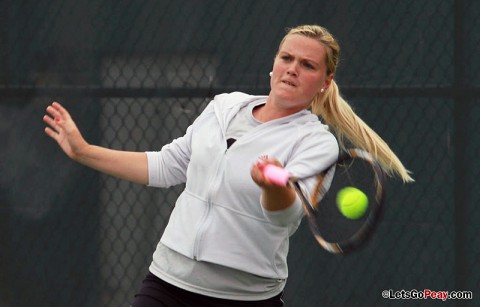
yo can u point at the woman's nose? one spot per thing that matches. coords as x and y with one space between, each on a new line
292 69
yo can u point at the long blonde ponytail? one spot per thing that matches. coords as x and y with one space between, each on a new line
339 115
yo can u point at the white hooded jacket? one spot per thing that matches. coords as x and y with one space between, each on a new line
218 217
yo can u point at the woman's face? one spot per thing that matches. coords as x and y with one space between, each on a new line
299 72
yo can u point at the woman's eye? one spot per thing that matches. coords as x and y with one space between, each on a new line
309 66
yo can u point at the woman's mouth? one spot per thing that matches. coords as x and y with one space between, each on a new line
288 83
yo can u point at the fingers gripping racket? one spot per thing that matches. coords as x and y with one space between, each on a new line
354 170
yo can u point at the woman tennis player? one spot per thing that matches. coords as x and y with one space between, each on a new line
227 239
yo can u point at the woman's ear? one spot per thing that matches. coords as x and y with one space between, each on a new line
327 83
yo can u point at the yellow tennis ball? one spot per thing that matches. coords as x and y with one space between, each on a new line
352 202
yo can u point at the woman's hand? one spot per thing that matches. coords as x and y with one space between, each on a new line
63 129
257 172
131 166
274 197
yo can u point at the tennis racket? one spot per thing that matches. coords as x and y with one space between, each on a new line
333 231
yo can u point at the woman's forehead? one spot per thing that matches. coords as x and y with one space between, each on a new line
303 46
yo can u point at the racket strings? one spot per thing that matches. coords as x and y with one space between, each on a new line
333 230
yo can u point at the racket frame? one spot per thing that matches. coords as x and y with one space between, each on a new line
376 206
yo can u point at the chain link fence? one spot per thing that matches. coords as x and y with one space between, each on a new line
135 74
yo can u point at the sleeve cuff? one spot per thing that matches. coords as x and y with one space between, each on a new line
286 216
153 169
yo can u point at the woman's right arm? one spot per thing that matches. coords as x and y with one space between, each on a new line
131 166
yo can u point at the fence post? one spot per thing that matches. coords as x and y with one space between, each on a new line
461 109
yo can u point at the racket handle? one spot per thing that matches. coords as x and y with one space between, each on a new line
276 175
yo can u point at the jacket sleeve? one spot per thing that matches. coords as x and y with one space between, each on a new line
168 167
313 153
286 217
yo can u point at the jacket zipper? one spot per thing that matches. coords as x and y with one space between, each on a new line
203 223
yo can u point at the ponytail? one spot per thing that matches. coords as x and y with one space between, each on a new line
339 115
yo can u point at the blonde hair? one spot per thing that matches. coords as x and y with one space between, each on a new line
339 115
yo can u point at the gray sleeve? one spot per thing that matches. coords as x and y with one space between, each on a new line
285 217
168 166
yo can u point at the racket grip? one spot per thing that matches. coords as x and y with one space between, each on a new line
276 175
